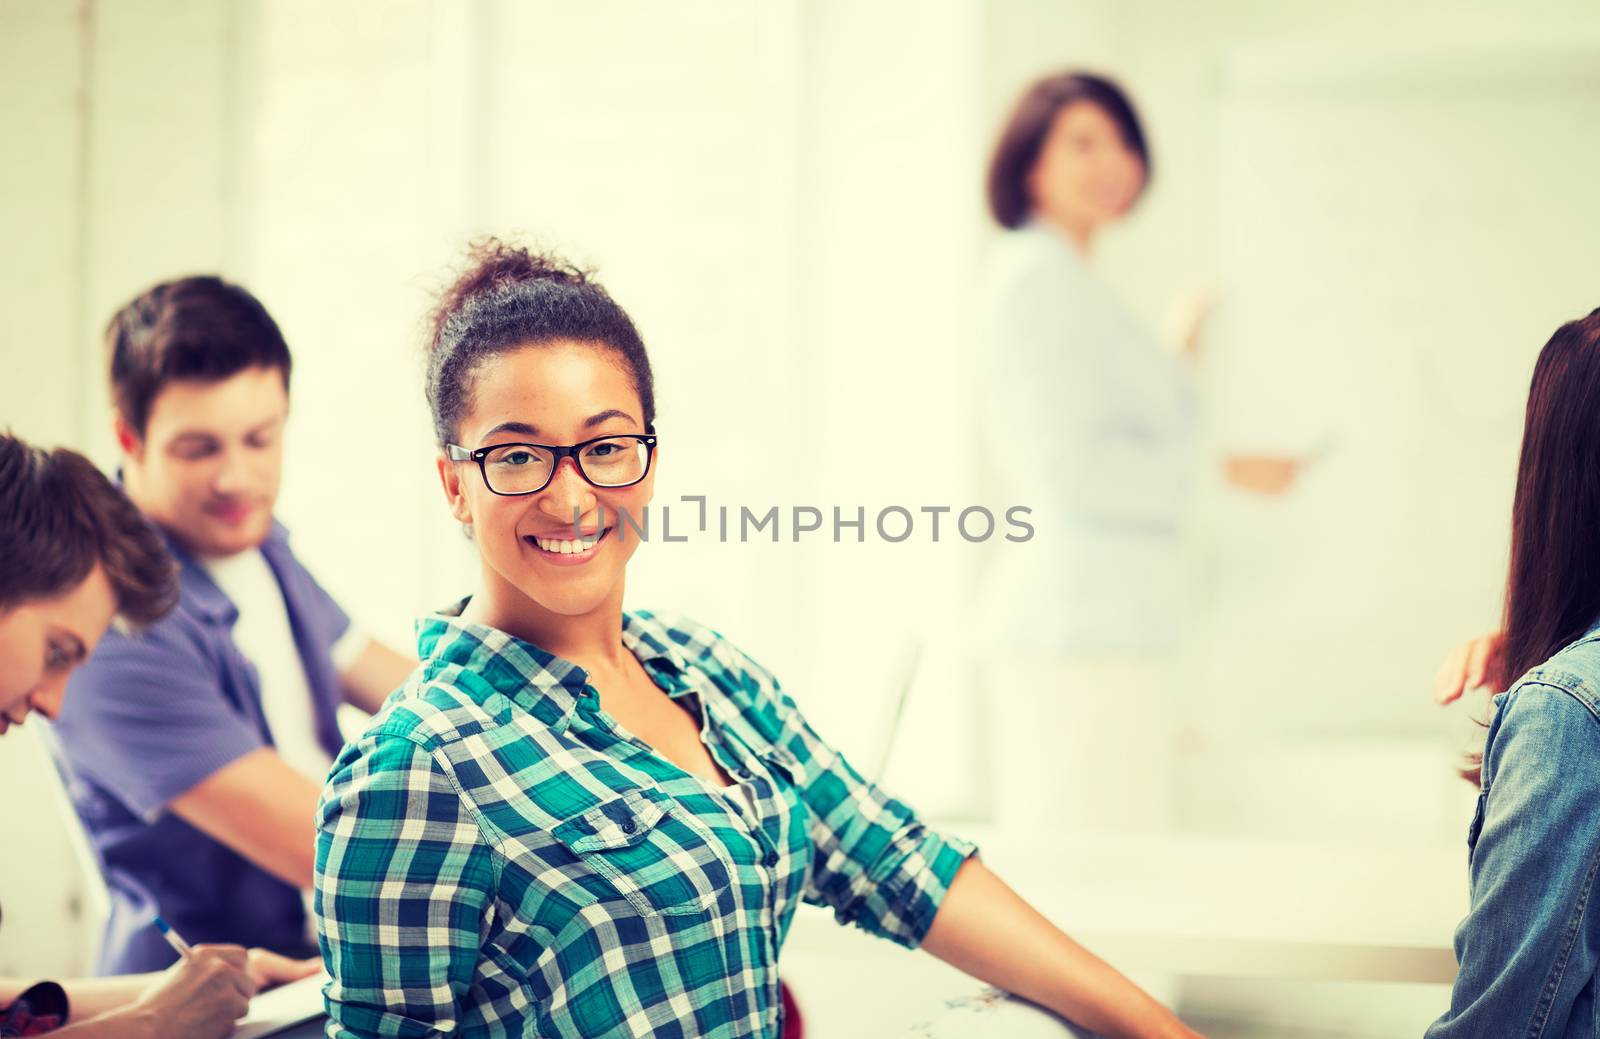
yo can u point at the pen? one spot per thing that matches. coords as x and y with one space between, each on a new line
173 938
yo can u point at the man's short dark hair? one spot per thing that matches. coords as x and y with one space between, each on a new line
61 517
193 328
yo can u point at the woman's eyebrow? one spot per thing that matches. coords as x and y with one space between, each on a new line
513 427
529 430
605 416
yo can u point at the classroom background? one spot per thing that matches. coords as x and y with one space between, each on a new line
1394 206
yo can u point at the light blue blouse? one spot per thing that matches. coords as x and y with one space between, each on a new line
1090 421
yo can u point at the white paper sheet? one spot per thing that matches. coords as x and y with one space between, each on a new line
283 1008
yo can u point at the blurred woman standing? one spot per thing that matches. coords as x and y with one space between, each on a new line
1091 421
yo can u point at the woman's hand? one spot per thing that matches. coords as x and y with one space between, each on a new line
987 930
199 997
1469 666
1269 475
1188 321
269 970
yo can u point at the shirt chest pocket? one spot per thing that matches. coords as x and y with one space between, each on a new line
648 853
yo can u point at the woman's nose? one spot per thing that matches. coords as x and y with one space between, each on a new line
568 493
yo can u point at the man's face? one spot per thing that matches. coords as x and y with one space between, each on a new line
42 640
208 465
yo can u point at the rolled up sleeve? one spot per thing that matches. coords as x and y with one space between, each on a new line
876 864
404 883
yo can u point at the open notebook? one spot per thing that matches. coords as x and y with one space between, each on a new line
283 1008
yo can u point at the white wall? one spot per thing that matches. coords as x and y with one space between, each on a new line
44 57
115 118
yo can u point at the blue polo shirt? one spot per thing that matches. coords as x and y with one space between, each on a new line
150 716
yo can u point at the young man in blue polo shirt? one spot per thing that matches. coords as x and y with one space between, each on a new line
195 751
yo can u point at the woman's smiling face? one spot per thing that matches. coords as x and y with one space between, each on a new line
559 393
1086 174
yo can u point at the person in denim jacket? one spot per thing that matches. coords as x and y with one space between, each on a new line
1529 950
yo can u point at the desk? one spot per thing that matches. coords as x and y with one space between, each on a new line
1158 908
1246 907
1183 905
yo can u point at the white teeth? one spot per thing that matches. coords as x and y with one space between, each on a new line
567 546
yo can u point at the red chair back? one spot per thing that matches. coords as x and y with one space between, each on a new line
792 1028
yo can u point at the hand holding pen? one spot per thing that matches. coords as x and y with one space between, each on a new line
267 968
200 996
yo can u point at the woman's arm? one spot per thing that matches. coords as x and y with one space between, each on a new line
883 870
986 929
404 889
199 997
1472 664
91 997
99 1006
1531 942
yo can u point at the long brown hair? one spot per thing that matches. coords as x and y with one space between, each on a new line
1553 588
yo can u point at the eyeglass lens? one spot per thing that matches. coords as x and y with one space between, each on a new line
521 469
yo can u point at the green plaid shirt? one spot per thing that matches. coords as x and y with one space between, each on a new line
496 857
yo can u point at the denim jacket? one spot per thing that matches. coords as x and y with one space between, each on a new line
1529 949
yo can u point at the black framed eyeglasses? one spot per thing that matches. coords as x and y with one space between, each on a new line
516 469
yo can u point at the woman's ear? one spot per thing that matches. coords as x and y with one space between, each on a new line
450 480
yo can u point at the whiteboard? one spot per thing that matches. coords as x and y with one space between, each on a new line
1400 232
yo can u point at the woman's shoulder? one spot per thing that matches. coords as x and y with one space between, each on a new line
1573 671
752 691
697 642
1552 711
1030 256
729 667
435 707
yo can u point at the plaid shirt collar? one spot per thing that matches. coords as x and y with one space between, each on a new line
541 683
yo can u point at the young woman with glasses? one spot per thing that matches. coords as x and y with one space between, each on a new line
579 820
